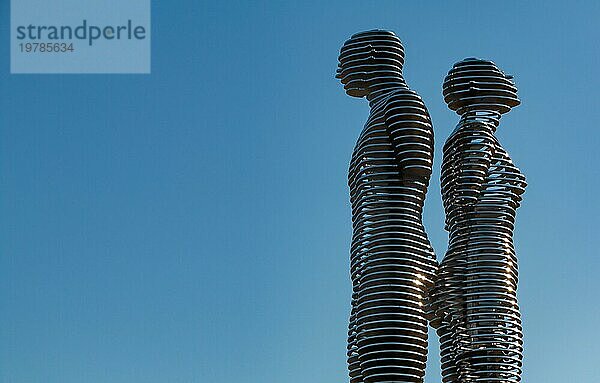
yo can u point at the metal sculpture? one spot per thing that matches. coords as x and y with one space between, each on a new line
392 264
474 299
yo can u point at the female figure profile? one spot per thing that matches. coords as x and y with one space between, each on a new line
474 299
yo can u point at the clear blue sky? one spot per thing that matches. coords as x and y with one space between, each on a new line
193 225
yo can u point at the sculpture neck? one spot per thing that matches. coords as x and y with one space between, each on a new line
381 91
488 117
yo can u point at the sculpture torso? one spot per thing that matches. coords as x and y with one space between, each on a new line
392 262
475 295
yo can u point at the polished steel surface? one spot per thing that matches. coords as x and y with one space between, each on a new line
392 264
475 306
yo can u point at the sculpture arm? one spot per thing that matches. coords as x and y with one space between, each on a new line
409 127
475 148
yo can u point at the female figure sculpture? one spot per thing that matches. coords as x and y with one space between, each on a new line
474 298
392 264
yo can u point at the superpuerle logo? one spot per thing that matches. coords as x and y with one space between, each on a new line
70 36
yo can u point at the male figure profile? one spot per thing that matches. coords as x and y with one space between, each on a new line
392 263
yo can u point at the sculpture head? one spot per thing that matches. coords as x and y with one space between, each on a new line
479 85
370 60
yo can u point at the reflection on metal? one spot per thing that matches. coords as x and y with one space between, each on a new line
474 300
392 263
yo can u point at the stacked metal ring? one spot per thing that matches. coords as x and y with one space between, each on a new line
392 262
474 299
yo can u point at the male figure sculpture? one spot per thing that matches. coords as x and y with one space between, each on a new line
474 299
392 264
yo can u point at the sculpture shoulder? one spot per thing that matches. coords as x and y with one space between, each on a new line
406 105
405 99
470 134
405 94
